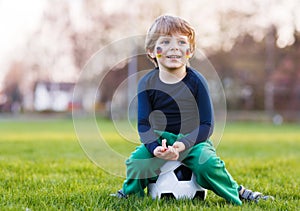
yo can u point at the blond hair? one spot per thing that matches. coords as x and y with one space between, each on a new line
168 25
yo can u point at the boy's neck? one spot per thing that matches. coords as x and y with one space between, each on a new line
172 76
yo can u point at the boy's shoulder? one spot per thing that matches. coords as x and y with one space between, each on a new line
151 75
195 76
194 73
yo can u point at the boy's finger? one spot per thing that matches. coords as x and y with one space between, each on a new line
164 144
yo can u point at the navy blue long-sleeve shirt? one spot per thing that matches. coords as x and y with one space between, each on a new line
184 107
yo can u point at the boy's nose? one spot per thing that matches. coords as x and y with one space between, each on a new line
174 45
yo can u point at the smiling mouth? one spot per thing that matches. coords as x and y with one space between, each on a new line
173 57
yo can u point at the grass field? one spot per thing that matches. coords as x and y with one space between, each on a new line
42 167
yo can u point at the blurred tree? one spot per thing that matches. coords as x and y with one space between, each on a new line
12 83
233 35
242 73
245 72
49 50
286 78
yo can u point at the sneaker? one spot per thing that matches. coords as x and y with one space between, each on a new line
119 194
249 195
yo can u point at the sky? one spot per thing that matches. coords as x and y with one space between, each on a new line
17 20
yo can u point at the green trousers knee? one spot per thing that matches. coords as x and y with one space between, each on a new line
209 169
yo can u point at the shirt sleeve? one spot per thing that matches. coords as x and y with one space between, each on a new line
146 132
205 110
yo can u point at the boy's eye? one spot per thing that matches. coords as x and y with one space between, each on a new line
182 42
165 42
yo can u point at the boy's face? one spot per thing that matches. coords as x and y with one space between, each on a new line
172 52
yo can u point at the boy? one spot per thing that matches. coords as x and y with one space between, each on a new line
175 117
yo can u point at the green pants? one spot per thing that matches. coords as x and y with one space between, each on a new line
209 169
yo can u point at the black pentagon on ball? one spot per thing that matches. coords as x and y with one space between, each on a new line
183 173
167 196
200 194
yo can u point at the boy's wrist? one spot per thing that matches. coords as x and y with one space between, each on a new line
151 146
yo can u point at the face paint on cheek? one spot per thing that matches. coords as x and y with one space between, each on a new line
158 52
188 53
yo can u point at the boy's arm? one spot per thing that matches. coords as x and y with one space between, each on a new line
146 133
205 109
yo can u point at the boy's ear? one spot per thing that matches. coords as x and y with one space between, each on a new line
151 54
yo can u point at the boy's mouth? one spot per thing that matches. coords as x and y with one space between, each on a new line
173 57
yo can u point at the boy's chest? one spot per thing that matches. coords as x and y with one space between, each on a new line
173 100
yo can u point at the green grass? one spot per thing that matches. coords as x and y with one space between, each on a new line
42 167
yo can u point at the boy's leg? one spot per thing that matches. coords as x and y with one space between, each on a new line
210 171
141 166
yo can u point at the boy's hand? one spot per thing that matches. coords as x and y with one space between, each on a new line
166 153
179 146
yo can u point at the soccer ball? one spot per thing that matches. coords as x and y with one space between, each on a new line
176 181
